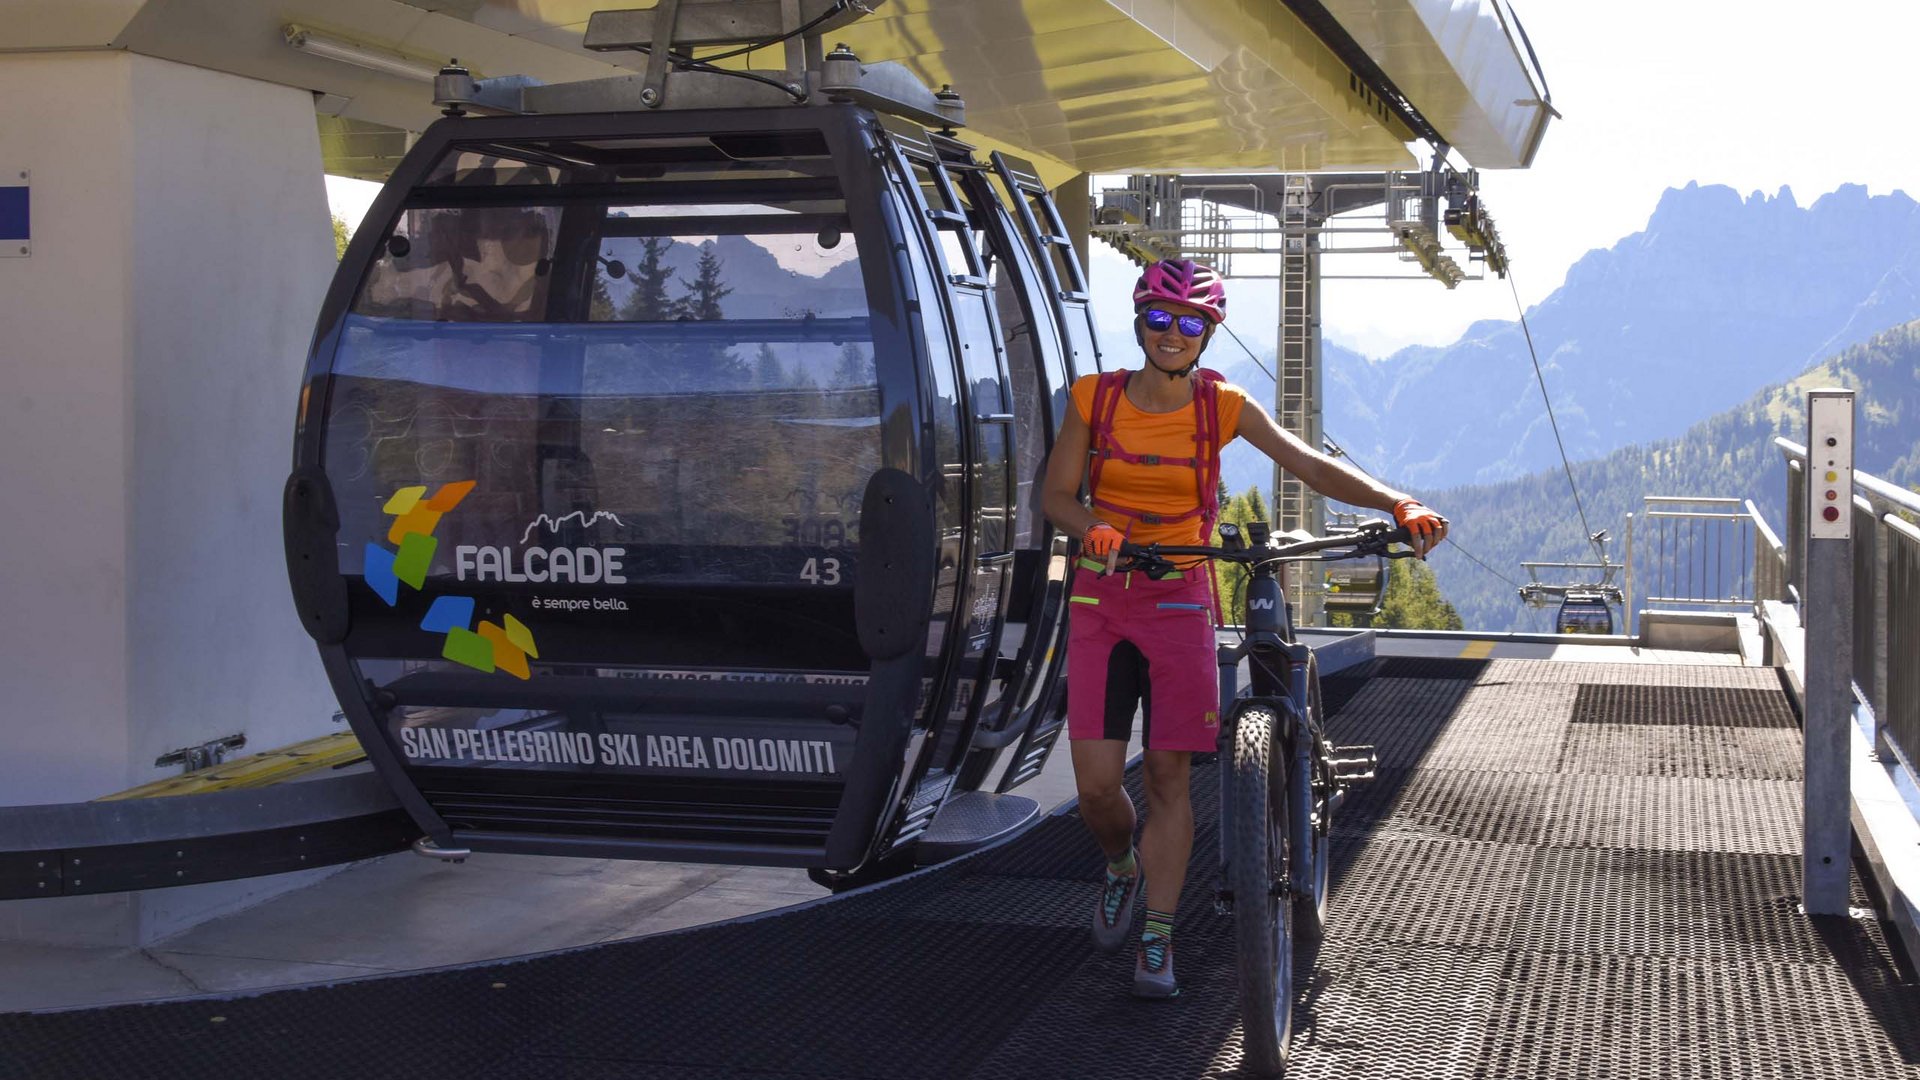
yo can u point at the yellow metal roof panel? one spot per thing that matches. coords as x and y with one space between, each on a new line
1076 85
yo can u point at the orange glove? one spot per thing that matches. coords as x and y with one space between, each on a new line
1101 540
1421 522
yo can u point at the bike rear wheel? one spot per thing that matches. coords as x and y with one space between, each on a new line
1257 873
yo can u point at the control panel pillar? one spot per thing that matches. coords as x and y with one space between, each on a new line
1827 616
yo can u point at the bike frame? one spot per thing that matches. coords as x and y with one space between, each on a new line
1292 697
1269 643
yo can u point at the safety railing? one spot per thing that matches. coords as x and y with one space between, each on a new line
1886 597
1694 552
1770 579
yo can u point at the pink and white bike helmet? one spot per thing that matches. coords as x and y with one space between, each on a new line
1183 281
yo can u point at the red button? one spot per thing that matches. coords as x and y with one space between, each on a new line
1831 513
1832 495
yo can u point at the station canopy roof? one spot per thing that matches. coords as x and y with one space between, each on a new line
1074 85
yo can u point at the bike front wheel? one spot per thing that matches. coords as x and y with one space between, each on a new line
1313 823
1262 907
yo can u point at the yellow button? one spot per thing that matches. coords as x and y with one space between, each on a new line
1832 476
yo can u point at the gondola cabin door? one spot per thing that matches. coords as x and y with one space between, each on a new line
973 462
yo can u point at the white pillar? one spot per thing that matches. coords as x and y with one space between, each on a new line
152 345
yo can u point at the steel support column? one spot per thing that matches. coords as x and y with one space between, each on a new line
1297 402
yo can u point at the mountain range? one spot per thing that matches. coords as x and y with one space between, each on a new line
1719 295
1673 358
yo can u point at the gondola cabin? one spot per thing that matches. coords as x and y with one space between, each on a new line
1356 590
665 485
1584 613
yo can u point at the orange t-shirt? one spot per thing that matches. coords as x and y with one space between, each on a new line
1156 489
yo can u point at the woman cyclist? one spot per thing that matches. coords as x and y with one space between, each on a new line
1146 443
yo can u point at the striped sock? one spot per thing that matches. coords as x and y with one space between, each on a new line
1159 924
1123 865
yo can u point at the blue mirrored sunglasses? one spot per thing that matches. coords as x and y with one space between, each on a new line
1190 325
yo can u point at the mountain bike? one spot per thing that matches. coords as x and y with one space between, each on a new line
1280 778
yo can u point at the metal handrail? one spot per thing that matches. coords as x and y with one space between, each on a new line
1769 560
1886 593
1896 710
1696 557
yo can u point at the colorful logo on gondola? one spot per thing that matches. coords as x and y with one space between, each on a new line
489 647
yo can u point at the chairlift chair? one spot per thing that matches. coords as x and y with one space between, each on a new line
1356 588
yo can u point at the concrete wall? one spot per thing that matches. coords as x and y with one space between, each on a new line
65 337
232 254
152 346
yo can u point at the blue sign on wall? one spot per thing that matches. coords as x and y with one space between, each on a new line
16 224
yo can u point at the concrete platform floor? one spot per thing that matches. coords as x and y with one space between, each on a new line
403 912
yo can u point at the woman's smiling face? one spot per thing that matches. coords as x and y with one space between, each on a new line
1170 349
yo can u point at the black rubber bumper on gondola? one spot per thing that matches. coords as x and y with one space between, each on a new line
79 849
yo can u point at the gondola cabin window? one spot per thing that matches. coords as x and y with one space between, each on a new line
661 348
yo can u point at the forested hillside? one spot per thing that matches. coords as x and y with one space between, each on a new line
1730 454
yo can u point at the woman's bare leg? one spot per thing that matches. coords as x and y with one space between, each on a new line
1167 840
1098 766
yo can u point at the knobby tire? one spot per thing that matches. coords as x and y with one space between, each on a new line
1262 920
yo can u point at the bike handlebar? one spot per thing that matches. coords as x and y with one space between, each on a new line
1371 539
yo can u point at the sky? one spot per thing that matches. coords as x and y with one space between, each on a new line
1757 95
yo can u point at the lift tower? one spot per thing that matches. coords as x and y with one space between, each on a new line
1218 217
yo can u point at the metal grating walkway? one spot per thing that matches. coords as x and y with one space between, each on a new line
1565 870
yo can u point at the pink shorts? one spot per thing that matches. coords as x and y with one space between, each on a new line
1133 641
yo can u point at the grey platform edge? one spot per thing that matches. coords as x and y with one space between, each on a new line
132 844
1338 652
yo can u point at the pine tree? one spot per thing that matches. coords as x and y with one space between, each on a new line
704 292
1230 578
855 368
1414 601
767 372
649 302
1256 506
711 362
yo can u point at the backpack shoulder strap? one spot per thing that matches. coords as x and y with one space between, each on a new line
1207 448
1106 399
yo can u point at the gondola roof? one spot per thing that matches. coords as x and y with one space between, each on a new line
1073 85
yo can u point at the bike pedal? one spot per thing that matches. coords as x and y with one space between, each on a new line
1352 764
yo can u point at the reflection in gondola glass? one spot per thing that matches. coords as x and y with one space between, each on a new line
721 390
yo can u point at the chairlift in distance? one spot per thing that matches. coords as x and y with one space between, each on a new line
1357 587
666 468
1584 612
1585 607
